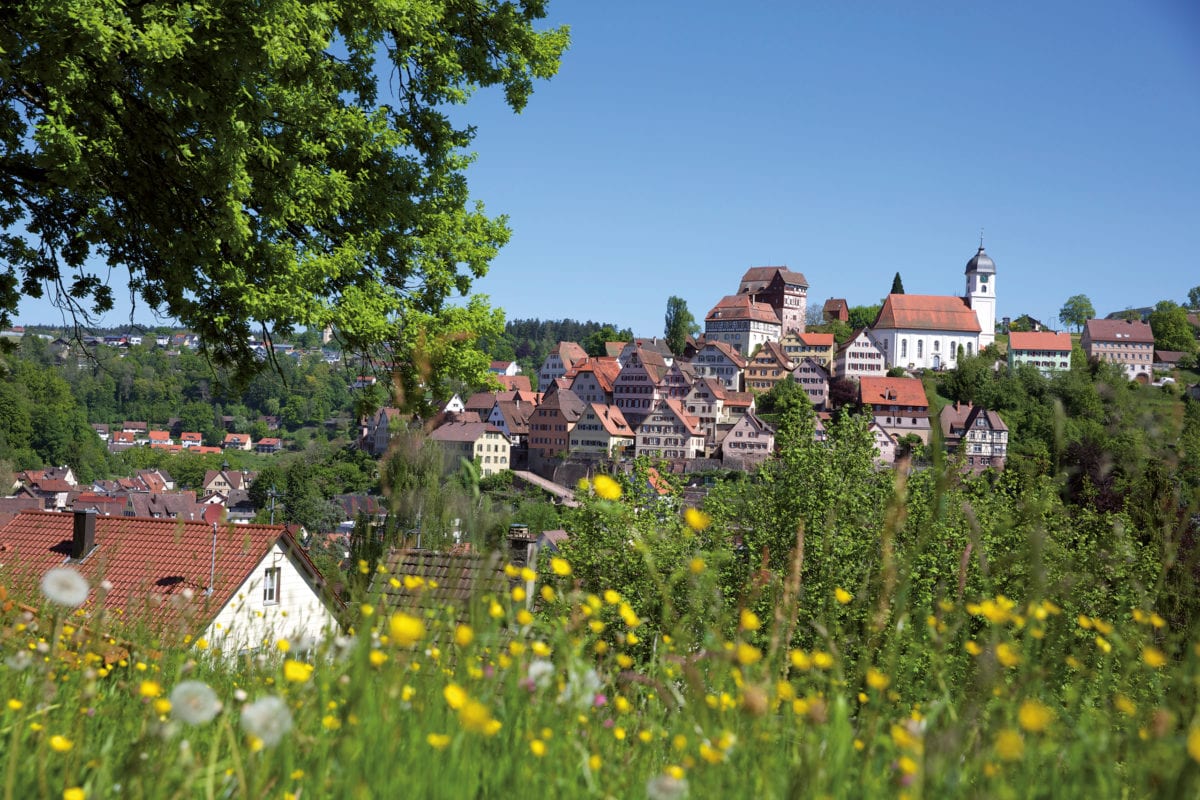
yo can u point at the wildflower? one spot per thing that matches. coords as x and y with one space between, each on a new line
1103 644
1193 743
162 706
524 617
60 744
973 647
456 696
65 587
800 660
330 723
15 705
612 597
1153 657
149 689
194 703
518 594
822 660
537 747
377 658
696 566
606 488
669 785
297 671
476 717
1034 716
1009 745
907 765
560 566
541 649
548 593
842 596
696 519
74 793
495 610
268 720
877 680
1007 655
438 741
629 616
1124 705
405 629
747 654
367 609
283 645
749 620
463 635
594 762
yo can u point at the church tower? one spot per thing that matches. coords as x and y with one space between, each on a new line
981 294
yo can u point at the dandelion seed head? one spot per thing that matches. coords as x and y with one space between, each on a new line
64 586
267 719
194 702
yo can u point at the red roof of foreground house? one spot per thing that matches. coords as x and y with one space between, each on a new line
149 562
927 312
892 392
1039 340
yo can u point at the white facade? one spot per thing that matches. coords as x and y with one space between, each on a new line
911 348
277 601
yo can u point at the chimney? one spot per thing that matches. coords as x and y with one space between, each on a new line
83 539
520 543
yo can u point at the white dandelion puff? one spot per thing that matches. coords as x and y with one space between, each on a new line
666 787
541 672
65 587
194 702
267 719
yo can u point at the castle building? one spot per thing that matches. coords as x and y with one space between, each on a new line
786 292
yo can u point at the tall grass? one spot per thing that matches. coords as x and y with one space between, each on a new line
565 692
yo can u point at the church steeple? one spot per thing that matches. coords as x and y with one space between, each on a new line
981 293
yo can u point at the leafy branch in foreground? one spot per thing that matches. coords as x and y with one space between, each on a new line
238 160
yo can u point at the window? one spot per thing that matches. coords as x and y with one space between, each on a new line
904 348
920 347
271 586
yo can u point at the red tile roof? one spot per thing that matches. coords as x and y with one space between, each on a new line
816 339
511 382
1039 340
612 419
758 278
149 562
740 306
892 392
1119 330
927 312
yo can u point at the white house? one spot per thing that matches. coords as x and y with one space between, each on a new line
239 587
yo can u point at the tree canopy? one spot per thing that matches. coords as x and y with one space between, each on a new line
1076 311
678 325
237 158
897 285
1171 328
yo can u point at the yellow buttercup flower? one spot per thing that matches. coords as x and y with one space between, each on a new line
606 488
405 629
1153 657
748 654
696 519
537 747
74 793
877 680
560 566
1034 716
1009 745
297 671
438 741
749 620
149 689
456 696
842 596
60 744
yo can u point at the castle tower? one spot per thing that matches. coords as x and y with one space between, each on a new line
981 294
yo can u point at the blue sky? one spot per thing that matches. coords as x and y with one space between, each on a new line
683 142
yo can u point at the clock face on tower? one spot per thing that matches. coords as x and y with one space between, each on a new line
983 278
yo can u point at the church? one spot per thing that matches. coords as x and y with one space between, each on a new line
921 331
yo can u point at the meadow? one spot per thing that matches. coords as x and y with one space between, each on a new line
565 690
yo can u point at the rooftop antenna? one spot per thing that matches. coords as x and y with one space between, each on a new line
981 238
